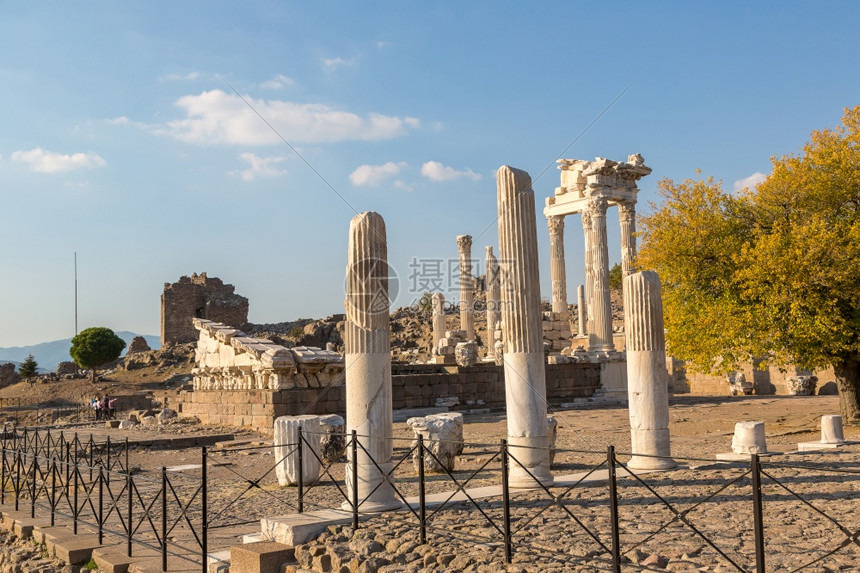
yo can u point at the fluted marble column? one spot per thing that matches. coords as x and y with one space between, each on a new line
587 233
439 326
556 268
467 287
647 377
368 362
493 312
601 334
525 375
580 309
627 218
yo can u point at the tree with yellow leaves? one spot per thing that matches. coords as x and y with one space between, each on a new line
773 272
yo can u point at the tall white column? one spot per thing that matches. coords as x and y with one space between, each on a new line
439 326
493 311
368 363
556 268
589 276
525 376
647 377
580 310
467 287
627 219
601 335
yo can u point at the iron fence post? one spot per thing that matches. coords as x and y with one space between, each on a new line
506 503
755 468
3 474
101 505
33 489
17 487
53 489
422 505
163 518
75 474
129 486
127 468
205 510
354 481
613 510
301 471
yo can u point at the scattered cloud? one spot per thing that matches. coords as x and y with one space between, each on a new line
373 175
402 185
435 171
121 120
278 82
218 117
335 63
750 181
42 161
382 45
259 167
174 77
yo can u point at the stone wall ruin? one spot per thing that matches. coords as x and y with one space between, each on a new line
199 296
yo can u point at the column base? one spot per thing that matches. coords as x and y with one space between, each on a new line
534 458
647 463
372 499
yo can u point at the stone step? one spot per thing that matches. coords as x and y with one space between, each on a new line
73 550
260 557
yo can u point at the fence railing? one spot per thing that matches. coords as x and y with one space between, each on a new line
601 512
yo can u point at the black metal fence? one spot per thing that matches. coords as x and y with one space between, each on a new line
599 515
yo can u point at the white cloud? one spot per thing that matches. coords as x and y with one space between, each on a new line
402 185
174 77
373 175
750 181
382 44
435 171
334 63
43 161
278 82
260 167
219 117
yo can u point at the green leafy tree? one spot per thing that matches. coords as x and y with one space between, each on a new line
27 369
615 277
773 272
96 346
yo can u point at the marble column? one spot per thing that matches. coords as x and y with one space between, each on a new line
601 335
467 287
493 311
580 310
439 326
525 374
556 268
647 377
627 218
589 275
368 363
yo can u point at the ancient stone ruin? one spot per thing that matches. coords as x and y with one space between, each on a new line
199 296
228 359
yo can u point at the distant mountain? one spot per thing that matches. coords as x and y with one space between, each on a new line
49 354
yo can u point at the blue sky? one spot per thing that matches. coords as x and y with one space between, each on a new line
121 139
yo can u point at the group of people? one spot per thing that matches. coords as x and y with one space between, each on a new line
105 408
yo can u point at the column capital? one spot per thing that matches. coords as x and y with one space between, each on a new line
627 211
586 218
597 206
555 224
464 242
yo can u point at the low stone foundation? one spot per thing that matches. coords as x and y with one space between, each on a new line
418 388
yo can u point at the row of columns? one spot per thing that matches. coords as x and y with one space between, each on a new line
368 362
595 315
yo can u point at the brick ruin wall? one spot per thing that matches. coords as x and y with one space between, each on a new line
199 296
419 388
